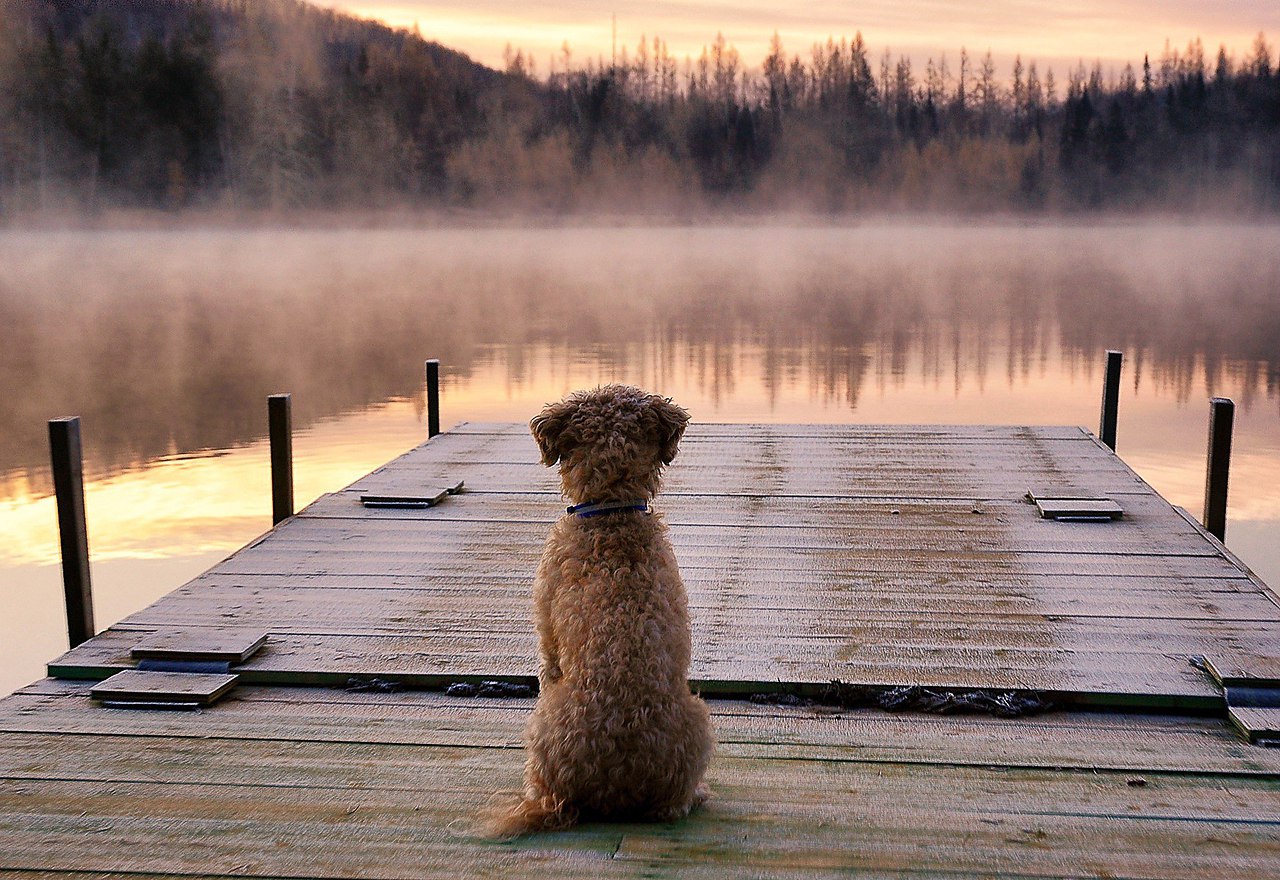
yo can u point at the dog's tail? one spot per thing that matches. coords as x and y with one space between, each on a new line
514 815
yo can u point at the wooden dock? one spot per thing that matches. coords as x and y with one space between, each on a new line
875 556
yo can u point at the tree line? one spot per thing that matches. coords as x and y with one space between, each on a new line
277 105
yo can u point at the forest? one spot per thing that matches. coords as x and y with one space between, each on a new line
277 105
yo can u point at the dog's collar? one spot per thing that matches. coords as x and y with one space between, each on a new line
591 508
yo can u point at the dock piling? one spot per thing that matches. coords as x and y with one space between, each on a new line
433 397
68 485
280 429
1221 418
1110 399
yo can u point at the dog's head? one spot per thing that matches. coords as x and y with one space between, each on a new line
611 443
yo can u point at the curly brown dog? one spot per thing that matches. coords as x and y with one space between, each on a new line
616 734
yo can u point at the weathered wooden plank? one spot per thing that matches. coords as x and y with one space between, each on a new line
865 834
519 559
389 596
785 588
889 481
1062 465
1145 513
1130 670
284 830
301 609
1058 739
822 513
938 432
874 463
361 809
811 559
252 830
1126 537
848 633
822 509
396 771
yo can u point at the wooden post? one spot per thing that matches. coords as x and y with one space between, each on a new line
1110 399
433 397
1221 416
68 486
280 428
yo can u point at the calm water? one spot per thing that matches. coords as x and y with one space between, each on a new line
167 343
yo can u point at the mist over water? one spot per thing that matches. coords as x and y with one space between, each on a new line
166 343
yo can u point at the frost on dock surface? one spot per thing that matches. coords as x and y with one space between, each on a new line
873 555
878 556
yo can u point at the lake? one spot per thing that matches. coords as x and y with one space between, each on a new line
167 342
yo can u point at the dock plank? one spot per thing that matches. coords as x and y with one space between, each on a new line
314 783
1123 673
1081 740
891 461
511 595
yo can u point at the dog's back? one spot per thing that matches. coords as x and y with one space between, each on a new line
616 732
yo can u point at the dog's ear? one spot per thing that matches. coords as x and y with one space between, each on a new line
671 419
548 428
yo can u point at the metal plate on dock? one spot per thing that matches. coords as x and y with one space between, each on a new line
232 645
134 686
429 498
1060 505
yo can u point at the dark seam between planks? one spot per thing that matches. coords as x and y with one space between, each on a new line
720 708
1183 701
201 783
154 616
157 619
178 872
528 578
520 628
986 767
1209 820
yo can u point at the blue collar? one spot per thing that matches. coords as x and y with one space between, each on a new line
591 508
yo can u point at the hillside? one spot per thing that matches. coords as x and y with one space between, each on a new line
260 103
276 105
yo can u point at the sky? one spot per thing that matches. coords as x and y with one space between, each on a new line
1058 32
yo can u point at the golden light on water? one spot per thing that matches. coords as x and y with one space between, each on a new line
207 503
216 502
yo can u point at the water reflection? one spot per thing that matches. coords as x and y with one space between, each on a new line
166 343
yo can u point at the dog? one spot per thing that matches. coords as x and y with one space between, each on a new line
616 733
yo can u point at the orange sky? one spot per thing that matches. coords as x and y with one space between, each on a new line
1060 32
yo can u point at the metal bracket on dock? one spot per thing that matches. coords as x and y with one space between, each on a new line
1251 687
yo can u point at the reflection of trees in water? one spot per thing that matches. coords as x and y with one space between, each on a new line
175 354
